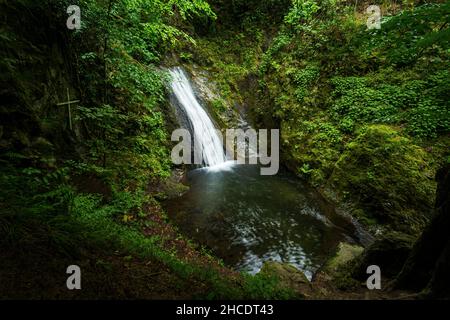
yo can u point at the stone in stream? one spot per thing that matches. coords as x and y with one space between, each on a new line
336 272
346 253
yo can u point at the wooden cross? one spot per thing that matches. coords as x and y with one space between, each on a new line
69 103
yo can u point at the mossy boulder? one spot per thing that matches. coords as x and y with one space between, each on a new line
288 276
337 270
388 177
346 252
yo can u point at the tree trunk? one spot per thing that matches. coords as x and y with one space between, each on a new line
428 266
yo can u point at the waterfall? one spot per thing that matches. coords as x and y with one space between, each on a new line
207 140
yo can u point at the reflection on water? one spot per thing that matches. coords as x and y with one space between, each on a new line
246 218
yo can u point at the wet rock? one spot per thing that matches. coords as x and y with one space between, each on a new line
337 270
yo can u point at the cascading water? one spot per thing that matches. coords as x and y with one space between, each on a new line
205 136
244 217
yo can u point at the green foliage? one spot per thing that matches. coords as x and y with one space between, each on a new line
325 77
219 105
118 145
34 207
430 117
190 8
301 11
124 100
246 13
371 99
266 287
228 59
304 79
356 103
314 149
409 35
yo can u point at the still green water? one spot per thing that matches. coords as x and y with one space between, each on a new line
246 218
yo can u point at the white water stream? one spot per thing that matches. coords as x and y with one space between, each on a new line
205 135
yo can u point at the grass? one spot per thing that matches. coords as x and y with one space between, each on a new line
43 233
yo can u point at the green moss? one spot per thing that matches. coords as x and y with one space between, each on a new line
346 252
219 105
312 146
327 78
342 264
229 57
344 281
287 278
388 176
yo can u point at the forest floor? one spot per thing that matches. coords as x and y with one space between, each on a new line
38 271
35 268
324 288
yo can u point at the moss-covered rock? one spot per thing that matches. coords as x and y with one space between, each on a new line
388 177
311 148
172 187
286 272
337 270
288 276
346 252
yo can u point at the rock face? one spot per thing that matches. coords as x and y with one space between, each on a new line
288 276
173 187
33 59
389 252
222 110
428 265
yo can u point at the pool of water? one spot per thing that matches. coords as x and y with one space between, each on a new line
247 219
